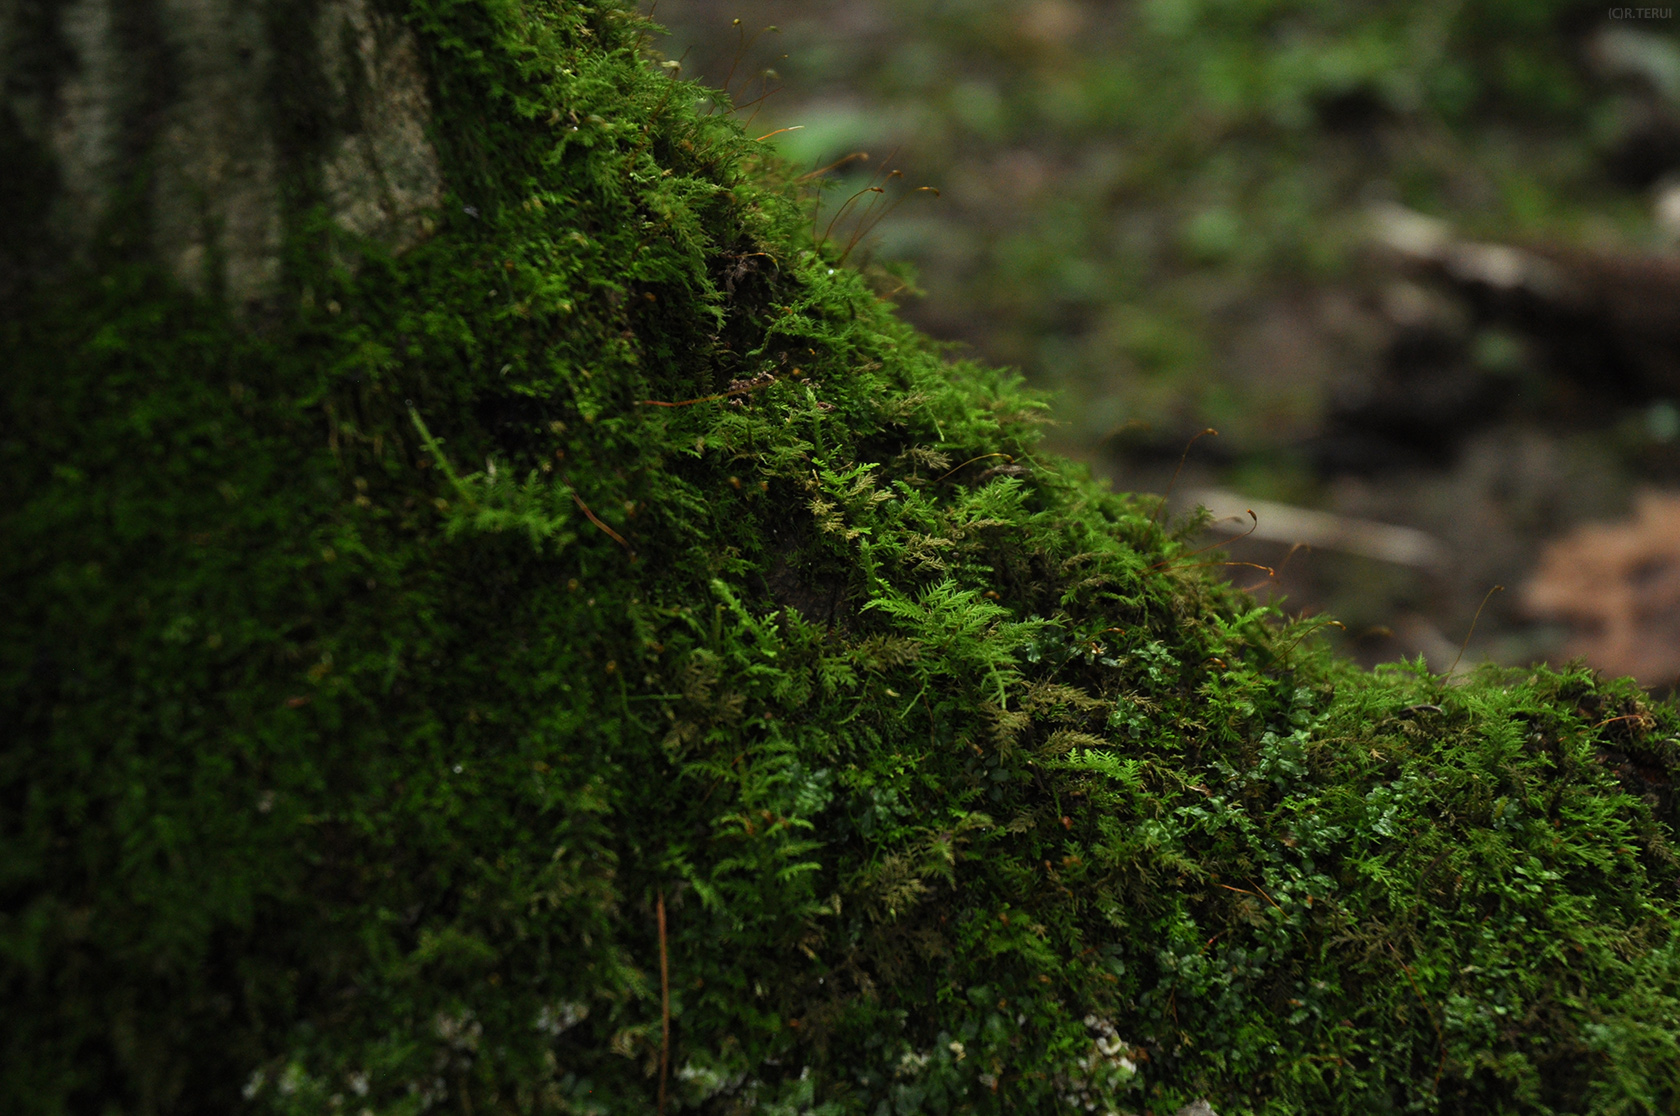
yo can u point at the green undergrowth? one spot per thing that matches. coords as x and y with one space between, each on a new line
376 675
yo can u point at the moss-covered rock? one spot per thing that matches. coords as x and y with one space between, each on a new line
397 688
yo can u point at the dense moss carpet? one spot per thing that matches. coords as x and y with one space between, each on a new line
377 678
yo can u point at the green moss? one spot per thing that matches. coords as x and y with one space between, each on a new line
377 675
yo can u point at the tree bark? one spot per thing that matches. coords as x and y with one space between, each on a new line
201 133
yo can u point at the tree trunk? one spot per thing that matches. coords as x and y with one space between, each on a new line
202 132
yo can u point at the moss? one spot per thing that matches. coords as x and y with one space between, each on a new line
379 674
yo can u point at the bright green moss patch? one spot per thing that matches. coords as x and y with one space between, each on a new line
371 676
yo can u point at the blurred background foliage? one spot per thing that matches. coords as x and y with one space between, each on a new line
1166 212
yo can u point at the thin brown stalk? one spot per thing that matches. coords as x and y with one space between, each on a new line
1472 631
863 218
744 45
1181 459
1311 630
841 212
972 460
593 518
876 186
740 52
868 224
836 165
875 214
664 1006
1214 545
1281 566
757 102
1271 573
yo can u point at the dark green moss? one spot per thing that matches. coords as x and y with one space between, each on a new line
373 678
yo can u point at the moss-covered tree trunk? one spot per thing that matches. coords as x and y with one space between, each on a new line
466 552
200 133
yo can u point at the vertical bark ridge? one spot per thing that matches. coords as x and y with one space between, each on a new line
205 132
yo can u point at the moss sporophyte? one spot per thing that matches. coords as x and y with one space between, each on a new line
767 726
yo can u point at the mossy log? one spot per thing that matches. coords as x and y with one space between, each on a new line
485 591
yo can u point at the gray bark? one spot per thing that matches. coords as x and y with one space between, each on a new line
200 131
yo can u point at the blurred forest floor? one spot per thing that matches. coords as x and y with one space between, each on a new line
1415 262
